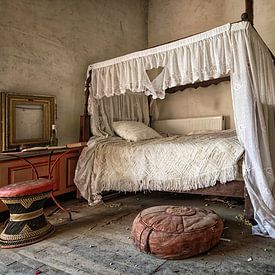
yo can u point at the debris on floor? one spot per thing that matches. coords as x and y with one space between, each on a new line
228 203
249 259
114 205
225 240
242 219
98 241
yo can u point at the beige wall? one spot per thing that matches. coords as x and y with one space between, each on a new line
210 101
264 19
174 19
46 46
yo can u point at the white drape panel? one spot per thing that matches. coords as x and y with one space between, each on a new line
197 58
236 49
253 93
106 110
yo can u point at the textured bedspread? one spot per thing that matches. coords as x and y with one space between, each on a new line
177 163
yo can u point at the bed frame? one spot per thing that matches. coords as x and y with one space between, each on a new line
231 189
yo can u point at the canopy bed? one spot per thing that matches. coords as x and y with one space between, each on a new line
117 91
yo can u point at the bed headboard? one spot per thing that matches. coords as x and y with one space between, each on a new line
187 125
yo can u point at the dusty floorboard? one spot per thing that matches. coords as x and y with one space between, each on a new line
98 242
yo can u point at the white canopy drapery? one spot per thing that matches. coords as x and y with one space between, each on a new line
234 49
253 94
106 110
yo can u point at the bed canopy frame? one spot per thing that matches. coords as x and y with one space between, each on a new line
235 188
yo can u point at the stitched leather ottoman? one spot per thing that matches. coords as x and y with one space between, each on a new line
27 223
173 232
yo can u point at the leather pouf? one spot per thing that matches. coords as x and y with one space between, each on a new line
173 232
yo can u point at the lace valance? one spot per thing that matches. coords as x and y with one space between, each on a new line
197 58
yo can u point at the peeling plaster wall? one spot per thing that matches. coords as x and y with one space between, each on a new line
46 46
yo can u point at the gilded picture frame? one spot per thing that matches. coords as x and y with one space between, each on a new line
26 120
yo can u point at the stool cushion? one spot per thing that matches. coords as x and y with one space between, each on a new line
173 232
24 188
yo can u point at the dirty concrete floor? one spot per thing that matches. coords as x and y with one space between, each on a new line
98 242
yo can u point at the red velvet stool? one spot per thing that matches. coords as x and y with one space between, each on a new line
27 223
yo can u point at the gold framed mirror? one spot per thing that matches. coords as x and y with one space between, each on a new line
26 120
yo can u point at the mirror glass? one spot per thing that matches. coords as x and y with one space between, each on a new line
29 122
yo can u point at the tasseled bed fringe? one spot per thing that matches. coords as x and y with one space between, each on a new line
173 185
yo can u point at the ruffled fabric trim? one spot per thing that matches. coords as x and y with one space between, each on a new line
197 58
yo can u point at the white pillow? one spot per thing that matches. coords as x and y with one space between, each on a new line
134 130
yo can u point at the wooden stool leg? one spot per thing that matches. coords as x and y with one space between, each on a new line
61 207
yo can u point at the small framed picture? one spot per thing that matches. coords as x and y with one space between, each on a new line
26 120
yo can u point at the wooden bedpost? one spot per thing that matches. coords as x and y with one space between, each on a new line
85 128
150 99
249 14
248 208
